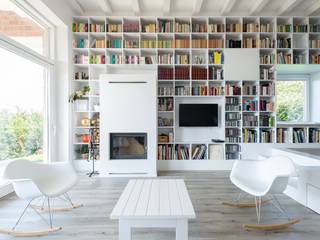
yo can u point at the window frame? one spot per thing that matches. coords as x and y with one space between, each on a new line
306 79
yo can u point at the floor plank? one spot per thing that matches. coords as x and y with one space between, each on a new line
207 191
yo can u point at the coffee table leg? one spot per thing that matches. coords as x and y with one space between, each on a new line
182 230
124 230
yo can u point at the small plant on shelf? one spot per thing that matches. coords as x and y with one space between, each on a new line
84 152
79 94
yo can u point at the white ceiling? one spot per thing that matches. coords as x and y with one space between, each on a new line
196 7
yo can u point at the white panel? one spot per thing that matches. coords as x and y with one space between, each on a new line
186 204
175 205
164 198
241 64
142 205
313 198
153 205
133 199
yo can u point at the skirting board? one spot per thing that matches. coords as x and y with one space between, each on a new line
194 165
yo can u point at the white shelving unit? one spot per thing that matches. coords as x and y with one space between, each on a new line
148 39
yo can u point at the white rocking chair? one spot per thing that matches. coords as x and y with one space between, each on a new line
263 178
33 181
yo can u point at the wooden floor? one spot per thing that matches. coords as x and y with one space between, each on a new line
207 191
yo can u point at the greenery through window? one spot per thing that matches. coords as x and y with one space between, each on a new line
290 100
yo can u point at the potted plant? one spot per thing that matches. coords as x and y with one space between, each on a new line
79 94
84 152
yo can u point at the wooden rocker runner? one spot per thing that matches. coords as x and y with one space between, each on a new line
263 178
33 181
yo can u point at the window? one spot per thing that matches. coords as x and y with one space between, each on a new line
291 100
21 27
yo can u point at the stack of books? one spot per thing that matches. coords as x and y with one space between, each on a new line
147 60
267 89
267 43
114 43
216 57
266 135
114 59
165 73
182 59
216 27
299 135
284 28
199 27
148 44
234 43
314 135
283 135
97 27
182 27
250 135
300 28
199 91
250 43
249 104
199 43
215 73
114 27
79 27
80 43
131 43
266 27
131 26
182 152
182 43
165 58
233 27
165 104
131 59
199 73
266 105
232 90
97 59
165 26
266 120
165 44
250 120
165 152
215 43
149 27
182 73
284 58
199 152
251 27
216 91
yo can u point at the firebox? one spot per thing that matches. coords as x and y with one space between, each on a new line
126 146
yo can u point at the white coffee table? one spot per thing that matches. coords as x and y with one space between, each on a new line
154 203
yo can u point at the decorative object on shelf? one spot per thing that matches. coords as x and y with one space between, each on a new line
93 149
79 94
84 152
85 138
85 122
163 138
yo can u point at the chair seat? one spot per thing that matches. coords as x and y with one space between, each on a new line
256 188
54 189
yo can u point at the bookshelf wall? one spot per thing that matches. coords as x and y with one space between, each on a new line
188 53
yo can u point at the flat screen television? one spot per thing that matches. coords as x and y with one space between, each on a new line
198 115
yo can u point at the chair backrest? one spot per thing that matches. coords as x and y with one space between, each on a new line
43 176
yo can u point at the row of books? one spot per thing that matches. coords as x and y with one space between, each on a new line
182 59
233 27
215 43
98 43
131 43
148 44
131 59
299 59
166 44
314 135
266 74
283 58
299 135
300 28
81 76
266 27
199 43
165 152
114 43
199 27
216 27
267 89
314 27
216 57
232 90
233 107
249 105
233 116
267 120
250 27
148 27
97 59
182 27
182 43
114 59
131 27
147 59
199 152
284 28
165 58
266 105
231 156
283 135
94 27
314 43
233 43
233 123
267 59
114 27
182 90
165 25
250 135
234 132
182 73
249 90
80 59
250 43
250 120
284 43
216 73
233 148
165 104
80 43
233 139
79 27
182 152
199 91
199 73
165 91
267 43
165 73
232 101
198 59
266 136
315 58
216 91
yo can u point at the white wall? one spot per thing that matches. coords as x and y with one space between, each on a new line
315 97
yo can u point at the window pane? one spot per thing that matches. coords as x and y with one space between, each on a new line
19 26
290 100
22 109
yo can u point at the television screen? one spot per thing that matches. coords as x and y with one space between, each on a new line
198 115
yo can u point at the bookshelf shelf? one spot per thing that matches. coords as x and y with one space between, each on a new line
179 46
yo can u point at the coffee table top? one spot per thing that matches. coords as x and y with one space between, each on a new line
154 198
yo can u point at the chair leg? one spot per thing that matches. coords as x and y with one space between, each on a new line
50 212
257 201
22 214
66 195
276 203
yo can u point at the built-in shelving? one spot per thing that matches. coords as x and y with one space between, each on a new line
189 55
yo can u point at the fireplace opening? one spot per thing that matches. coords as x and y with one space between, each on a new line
128 146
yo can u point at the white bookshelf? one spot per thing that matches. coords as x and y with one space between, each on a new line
263 33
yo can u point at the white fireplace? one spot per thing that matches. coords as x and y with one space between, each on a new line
128 128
